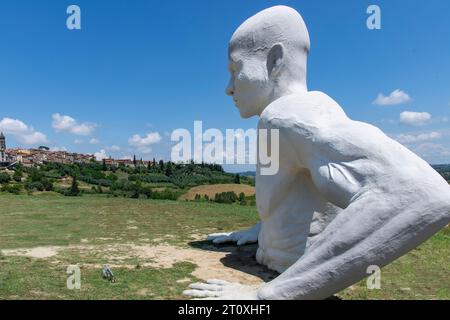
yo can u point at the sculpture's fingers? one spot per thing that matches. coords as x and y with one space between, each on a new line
218 281
222 239
243 240
201 293
213 236
236 236
206 286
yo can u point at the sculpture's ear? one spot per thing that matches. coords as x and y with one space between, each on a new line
275 59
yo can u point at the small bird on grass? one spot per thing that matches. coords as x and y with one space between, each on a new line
108 274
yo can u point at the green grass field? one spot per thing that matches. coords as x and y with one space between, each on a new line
92 230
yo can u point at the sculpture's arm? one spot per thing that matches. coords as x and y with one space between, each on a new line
378 225
240 237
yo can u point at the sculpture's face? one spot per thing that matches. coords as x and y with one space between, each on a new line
249 85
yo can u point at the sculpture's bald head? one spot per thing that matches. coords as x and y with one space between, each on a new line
274 25
267 58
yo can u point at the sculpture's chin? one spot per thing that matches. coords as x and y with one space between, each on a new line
245 114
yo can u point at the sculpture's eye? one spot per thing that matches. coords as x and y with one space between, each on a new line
234 67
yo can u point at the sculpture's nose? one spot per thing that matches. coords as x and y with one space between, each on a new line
230 88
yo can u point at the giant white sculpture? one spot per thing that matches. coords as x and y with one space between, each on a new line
346 196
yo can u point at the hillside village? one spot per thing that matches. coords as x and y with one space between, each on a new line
37 156
72 174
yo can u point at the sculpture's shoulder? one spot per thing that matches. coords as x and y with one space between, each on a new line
312 109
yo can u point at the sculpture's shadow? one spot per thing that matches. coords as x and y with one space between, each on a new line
242 258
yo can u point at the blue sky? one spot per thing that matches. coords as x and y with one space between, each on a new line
146 67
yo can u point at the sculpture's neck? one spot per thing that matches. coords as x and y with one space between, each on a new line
286 90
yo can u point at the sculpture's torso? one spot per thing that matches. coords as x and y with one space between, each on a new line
291 208
292 212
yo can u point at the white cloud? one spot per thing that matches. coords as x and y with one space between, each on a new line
113 148
68 124
396 97
78 141
142 144
22 132
55 149
414 118
432 150
100 155
33 138
94 141
422 137
138 141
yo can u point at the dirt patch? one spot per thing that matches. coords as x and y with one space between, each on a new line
38 252
143 291
210 265
229 263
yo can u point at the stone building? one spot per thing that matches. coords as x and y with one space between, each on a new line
2 147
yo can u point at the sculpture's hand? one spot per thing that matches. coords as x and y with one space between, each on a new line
222 290
240 237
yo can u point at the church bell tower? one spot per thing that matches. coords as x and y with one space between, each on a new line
2 147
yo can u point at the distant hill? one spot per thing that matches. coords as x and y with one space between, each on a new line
441 167
247 174
444 170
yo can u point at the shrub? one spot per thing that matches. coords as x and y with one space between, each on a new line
226 197
4 178
167 194
34 186
17 176
12 188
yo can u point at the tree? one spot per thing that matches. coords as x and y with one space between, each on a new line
225 197
35 175
237 179
18 173
161 165
17 176
134 160
104 168
135 192
47 184
169 170
73 191
4 178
